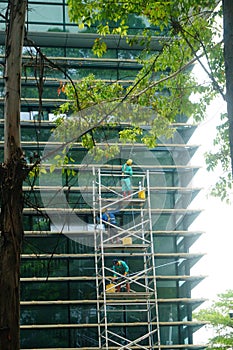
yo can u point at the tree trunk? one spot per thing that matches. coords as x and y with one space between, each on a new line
228 56
12 174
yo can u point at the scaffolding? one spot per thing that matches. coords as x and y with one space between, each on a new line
117 312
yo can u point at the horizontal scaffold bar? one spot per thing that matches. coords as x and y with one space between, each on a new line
90 278
52 123
79 145
159 233
114 324
153 168
165 347
106 190
123 254
112 301
90 210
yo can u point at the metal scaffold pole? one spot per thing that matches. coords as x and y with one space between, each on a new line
96 255
153 264
119 312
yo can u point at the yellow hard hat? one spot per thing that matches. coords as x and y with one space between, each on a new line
129 162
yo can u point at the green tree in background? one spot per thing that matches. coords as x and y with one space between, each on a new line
191 33
219 316
165 81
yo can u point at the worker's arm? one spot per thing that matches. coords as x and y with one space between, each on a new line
114 275
128 171
104 218
126 267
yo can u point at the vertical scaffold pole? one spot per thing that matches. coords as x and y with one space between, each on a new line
143 234
102 261
94 194
153 264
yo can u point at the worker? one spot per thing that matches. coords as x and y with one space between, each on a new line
120 267
127 173
109 218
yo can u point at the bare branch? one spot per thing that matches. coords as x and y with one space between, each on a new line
52 64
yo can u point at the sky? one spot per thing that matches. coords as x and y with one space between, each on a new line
215 221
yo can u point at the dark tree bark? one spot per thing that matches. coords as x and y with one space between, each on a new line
12 174
228 56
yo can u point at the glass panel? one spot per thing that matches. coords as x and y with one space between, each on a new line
170 335
58 314
47 244
166 267
44 338
50 290
84 337
167 289
164 244
46 13
44 291
44 268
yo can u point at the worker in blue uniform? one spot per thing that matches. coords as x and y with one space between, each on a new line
108 217
120 267
127 173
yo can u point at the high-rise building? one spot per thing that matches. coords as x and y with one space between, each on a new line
68 300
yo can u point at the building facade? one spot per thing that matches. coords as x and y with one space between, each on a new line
67 256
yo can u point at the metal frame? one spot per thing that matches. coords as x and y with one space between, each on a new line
142 283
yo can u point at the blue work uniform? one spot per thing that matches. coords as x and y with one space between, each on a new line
109 217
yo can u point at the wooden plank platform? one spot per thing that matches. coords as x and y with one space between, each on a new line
128 295
121 246
123 199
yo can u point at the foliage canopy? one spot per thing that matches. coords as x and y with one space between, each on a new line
184 33
218 316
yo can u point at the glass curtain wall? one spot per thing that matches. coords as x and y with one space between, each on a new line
58 276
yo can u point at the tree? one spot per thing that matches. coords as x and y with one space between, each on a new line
192 32
222 155
228 50
13 172
219 317
164 83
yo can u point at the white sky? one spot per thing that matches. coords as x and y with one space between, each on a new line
217 242
215 221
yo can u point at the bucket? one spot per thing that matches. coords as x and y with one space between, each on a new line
110 288
127 240
142 194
